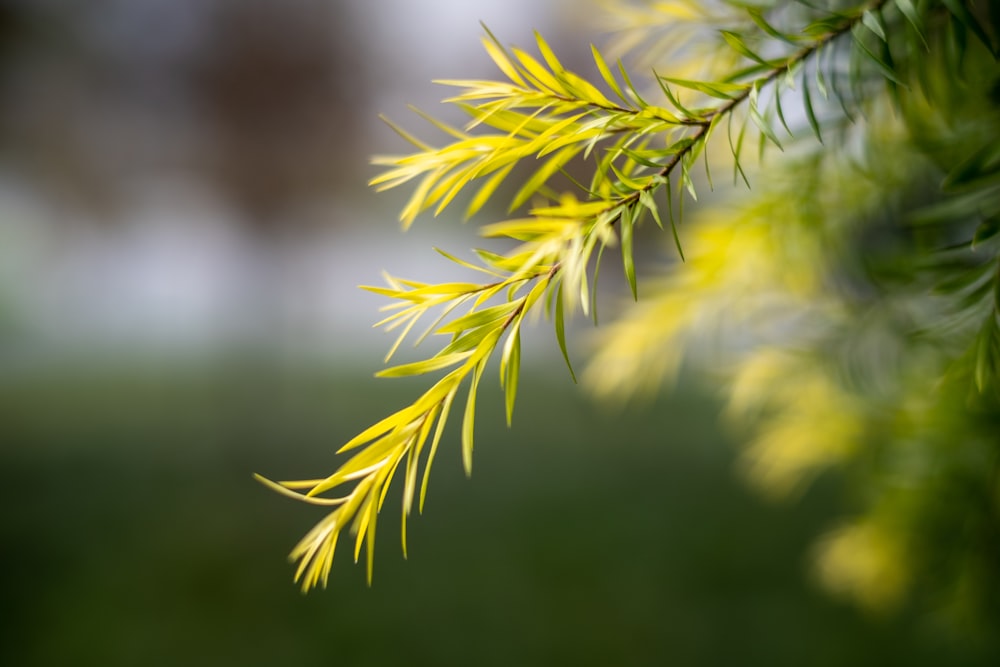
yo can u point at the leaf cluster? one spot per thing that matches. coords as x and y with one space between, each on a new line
641 145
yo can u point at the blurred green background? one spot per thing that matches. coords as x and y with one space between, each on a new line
133 534
183 218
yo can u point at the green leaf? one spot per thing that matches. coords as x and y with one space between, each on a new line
405 135
673 222
394 421
761 146
510 369
686 180
736 149
810 112
628 218
399 339
631 88
548 54
882 65
725 91
597 272
469 421
560 327
445 312
500 57
643 157
469 340
425 366
791 73
907 9
557 134
705 141
444 127
539 75
479 318
781 113
873 23
551 166
631 185
757 17
647 200
740 46
465 264
584 89
607 75
986 230
439 429
524 229
820 81
824 27
489 257
674 100
835 85
412 468
764 127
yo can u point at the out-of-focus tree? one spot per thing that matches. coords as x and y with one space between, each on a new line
102 98
846 287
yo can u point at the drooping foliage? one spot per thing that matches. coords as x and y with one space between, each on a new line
850 274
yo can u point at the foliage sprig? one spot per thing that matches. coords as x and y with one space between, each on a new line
638 145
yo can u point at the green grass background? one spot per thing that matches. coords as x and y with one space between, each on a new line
133 534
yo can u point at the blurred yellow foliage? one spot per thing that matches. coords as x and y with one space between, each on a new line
738 263
812 422
865 561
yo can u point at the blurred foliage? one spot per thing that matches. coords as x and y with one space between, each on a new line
851 300
854 299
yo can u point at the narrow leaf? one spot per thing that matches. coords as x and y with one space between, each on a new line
757 17
725 91
736 149
512 368
673 222
439 429
882 65
425 366
810 112
393 421
628 258
500 57
647 200
607 75
764 127
469 421
873 23
560 326
632 89
478 318
551 166
740 46
907 9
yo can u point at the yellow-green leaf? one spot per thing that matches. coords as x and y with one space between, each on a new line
627 223
425 366
560 326
469 420
479 318
607 75
510 366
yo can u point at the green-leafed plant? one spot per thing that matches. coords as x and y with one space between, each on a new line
850 300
